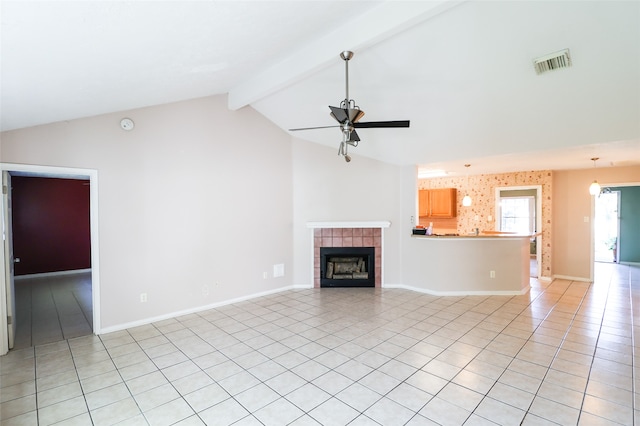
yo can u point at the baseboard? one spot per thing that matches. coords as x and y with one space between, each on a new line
52 274
302 286
458 293
629 263
176 314
570 278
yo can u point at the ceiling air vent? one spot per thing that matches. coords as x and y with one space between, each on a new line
552 61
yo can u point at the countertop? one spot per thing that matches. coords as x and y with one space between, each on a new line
481 235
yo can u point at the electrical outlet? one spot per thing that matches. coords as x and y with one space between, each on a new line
205 290
143 297
492 274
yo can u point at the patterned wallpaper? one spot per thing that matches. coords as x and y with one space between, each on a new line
481 189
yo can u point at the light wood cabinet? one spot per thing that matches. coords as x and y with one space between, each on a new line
424 206
437 203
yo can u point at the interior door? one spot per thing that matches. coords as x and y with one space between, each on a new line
8 267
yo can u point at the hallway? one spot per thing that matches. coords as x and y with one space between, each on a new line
51 309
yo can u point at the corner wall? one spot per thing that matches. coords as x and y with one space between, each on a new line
326 188
195 202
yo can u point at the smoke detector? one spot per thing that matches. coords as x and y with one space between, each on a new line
552 61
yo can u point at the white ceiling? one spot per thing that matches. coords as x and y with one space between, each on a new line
461 71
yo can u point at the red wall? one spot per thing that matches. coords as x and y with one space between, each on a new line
51 228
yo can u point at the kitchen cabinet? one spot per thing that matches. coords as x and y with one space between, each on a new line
437 203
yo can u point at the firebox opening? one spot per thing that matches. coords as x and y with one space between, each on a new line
347 267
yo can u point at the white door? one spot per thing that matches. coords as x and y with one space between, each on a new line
8 266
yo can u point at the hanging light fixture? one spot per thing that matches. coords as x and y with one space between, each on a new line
594 188
466 200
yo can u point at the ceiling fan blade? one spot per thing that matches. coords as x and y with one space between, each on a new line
379 124
312 128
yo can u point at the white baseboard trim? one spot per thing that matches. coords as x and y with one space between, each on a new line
52 274
546 279
458 293
570 278
146 321
302 286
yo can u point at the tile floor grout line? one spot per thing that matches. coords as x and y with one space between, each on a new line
563 340
84 314
397 319
514 356
84 394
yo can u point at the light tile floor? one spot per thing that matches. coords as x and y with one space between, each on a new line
53 308
562 354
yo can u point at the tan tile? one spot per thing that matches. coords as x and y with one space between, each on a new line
17 406
62 411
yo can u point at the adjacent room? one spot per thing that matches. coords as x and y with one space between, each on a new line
214 231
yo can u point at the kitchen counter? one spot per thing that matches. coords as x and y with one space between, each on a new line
487 236
496 264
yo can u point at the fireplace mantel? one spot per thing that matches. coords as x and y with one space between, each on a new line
359 224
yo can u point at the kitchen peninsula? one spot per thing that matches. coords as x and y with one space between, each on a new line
469 264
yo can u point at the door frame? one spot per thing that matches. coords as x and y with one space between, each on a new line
538 189
592 231
58 172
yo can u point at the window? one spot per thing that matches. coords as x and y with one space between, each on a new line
518 214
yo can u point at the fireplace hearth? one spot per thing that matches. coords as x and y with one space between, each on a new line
347 267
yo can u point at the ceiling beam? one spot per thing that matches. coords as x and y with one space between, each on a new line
362 31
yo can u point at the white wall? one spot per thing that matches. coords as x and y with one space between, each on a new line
196 195
326 188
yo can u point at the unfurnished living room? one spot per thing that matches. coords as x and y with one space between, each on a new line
201 225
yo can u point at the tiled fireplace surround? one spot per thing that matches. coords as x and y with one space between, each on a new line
347 236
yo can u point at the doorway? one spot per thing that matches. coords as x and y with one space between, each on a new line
519 210
607 226
91 277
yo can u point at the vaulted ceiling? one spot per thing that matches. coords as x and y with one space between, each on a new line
461 71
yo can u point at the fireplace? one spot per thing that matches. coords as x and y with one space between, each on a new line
347 267
349 235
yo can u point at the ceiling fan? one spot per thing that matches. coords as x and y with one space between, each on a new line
348 114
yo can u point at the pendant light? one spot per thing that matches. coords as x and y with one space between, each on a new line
466 200
594 188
